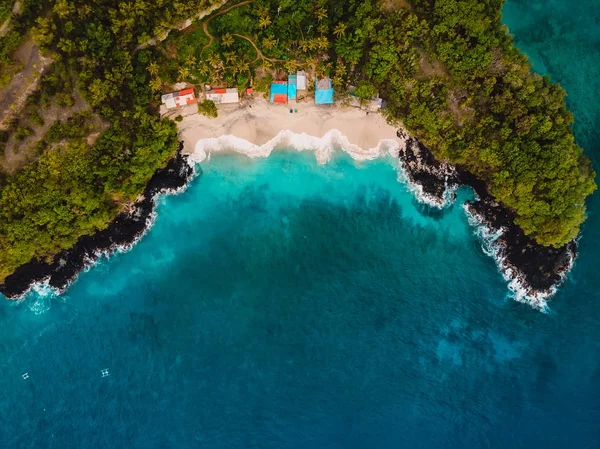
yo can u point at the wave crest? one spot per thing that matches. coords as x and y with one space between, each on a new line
323 147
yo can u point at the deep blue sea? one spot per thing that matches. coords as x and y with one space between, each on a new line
280 304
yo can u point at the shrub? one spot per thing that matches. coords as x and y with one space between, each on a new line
208 108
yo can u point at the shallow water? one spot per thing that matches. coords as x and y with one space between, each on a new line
279 303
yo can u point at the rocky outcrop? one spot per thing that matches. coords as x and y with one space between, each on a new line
533 271
121 233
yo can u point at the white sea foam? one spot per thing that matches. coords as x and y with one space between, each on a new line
323 147
42 293
493 246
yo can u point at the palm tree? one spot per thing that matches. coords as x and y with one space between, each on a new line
304 45
244 66
322 29
227 40
269 43
264 22
230 56
321 14
337 81
214 60
156 84
153 68
340 29
184 73
322 43
340 69
190 62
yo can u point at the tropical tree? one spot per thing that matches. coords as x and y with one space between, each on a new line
290 65
322 43
153 68
156 84
269 43
264 22
340 29
227 40
184 73
321 14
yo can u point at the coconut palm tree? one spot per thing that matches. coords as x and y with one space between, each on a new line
184 73
264 22
153 68
190 62
227 40
322 42
337 81
269 43
340 29
230 56
321 14
156 84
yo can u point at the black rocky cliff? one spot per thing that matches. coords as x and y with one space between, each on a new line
537 268
125 229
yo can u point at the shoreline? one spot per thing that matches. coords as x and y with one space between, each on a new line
121 234
533 272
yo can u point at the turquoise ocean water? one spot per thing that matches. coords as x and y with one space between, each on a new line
282 304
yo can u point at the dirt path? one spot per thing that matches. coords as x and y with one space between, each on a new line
186 23
211 38
258 52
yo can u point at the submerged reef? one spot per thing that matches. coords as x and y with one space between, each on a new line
121 233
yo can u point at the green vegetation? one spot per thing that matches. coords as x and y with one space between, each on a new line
16 34
450 73
74 189
447 68
208 108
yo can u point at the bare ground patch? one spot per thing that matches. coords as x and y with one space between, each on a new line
13 96
19 153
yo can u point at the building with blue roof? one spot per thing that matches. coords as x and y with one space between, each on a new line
279 92
324 91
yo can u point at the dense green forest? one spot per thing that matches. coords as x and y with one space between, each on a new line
446 68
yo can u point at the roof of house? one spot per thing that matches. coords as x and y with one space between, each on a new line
301 80
323 91
223 95
279 92
177 99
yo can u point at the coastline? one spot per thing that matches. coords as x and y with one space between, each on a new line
122 233
532 271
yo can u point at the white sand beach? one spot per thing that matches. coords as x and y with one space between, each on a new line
259 121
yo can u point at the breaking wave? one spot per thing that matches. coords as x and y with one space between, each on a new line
493 246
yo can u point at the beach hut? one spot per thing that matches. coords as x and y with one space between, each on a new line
223 95
292 87
178 99
279 92
323 91
301 80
